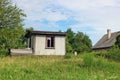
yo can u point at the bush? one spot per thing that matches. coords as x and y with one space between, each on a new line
114 54
4 52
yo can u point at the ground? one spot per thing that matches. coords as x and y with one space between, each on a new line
58 68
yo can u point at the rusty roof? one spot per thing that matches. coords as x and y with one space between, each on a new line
104 42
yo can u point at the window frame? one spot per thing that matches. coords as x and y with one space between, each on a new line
51 43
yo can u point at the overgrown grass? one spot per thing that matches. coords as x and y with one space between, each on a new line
111 54
81 67
114 54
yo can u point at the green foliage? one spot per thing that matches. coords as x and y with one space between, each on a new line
69 40
68 47
11 30
29 29
70 35
114 53
4 52
82 43
99 62
88 60
117 43
24 39
78 42
69 56
57 68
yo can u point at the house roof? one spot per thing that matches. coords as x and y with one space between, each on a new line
29 33
104 42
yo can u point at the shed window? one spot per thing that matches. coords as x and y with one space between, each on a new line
50 42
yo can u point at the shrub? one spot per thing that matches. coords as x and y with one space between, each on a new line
4 52
114 54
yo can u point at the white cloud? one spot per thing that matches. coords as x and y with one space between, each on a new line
35 10
98 14
56 16
86 4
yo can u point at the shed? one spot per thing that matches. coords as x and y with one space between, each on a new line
47 42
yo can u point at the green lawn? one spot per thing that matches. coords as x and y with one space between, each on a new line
80 67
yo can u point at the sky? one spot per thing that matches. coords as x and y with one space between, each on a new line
92 17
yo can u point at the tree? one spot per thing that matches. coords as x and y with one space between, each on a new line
68 47
117 43
11 25
69 40
77 42
24 39
87 43
70 35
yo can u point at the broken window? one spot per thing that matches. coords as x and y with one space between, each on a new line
50 42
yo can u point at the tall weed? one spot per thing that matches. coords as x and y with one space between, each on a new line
88 60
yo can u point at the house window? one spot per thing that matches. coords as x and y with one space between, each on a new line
50 42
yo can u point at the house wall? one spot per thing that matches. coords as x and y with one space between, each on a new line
20 51
39 47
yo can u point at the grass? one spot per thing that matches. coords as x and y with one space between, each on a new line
81 67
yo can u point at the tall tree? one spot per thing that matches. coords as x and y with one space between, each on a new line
69 40
11 25
77 42
87 43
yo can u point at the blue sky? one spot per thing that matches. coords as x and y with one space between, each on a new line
92 17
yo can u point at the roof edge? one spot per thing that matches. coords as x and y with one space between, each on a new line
101 48
29 33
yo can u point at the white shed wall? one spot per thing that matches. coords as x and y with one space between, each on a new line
40 46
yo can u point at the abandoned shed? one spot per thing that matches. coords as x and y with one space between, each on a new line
107 41
47 42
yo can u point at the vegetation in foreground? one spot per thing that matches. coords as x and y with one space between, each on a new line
69 67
